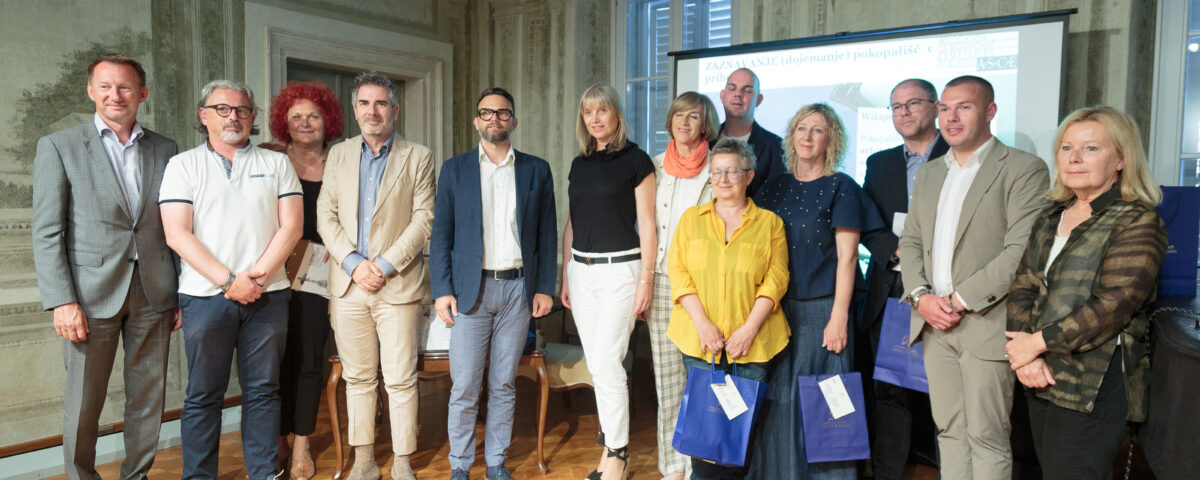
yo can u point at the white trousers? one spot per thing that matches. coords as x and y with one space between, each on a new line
602 305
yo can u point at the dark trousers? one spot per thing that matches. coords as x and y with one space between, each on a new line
1077 445
301 376
702 469
146 337
213 329
901 420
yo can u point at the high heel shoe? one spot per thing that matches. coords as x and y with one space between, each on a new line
595 475
621 454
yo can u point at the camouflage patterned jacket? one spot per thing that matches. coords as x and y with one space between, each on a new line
1099 289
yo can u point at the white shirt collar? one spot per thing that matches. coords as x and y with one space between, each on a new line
102 127
508 157
975 158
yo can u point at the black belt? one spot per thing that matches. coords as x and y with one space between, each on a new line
510 274
601 260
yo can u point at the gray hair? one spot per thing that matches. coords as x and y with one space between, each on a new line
373 78
737 147
922 84
215 85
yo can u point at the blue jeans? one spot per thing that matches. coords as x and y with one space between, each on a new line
702 469
213 328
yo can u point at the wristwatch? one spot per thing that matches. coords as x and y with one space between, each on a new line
228 282
915 297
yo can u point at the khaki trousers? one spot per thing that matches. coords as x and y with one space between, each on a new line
373 335
971 400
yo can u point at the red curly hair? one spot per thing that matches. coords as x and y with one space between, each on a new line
314 91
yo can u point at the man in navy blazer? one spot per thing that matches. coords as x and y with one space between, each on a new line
492 261
741 96
898 411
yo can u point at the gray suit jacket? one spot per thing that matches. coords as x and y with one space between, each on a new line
993 228
84 235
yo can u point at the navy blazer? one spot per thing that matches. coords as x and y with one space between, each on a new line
768 154
889 196
456 243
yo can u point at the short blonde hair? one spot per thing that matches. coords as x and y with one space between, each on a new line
836 131
1137 185
687 101
600 95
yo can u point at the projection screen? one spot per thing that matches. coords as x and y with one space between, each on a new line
1022 56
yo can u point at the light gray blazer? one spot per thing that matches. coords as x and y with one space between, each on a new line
993 229
84 235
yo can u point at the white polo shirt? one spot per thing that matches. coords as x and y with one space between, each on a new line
235 217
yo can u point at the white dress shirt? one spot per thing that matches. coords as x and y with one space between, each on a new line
949 211
126 161
498 190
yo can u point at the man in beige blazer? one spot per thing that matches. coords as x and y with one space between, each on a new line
375 213
971 213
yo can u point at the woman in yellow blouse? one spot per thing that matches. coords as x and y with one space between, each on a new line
728 269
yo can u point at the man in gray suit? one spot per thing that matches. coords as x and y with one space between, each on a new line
969 219
103 265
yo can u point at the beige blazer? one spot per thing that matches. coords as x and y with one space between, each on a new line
997 217
400 224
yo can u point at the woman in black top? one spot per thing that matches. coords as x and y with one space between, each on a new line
608 258
305 117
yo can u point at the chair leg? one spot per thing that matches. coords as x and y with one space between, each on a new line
335 376
543 398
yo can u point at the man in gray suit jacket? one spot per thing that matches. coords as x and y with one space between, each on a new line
970 217
103 265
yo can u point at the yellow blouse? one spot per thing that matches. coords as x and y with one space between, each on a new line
729 277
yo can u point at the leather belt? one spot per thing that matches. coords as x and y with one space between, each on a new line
510 274
602 260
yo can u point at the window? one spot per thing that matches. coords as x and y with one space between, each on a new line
650 29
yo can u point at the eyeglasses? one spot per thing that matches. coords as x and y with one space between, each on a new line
487 114
224 110
909 105
730 173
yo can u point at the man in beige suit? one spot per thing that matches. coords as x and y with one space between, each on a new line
375 213
971 213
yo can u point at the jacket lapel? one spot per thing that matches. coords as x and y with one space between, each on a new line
929 203
147 157
987 174
103 167
391 172
349 189
523 171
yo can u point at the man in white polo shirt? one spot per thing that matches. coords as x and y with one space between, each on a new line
232 212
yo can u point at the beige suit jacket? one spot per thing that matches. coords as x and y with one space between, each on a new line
400 224
997 217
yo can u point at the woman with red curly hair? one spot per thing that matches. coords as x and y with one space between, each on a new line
305 117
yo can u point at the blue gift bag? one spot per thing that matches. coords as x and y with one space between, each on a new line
1180 211
827 439
703 430
895 362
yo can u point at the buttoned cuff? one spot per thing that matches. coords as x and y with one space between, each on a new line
351 262
386 266
966 308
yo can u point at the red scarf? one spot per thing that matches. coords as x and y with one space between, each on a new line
680 167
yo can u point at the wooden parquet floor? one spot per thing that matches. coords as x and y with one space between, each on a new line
571 451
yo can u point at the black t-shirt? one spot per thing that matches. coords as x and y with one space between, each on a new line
603 208
311 191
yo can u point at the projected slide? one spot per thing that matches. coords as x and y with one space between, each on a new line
1023 63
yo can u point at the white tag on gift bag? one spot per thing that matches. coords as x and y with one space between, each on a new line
729 397
836 396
